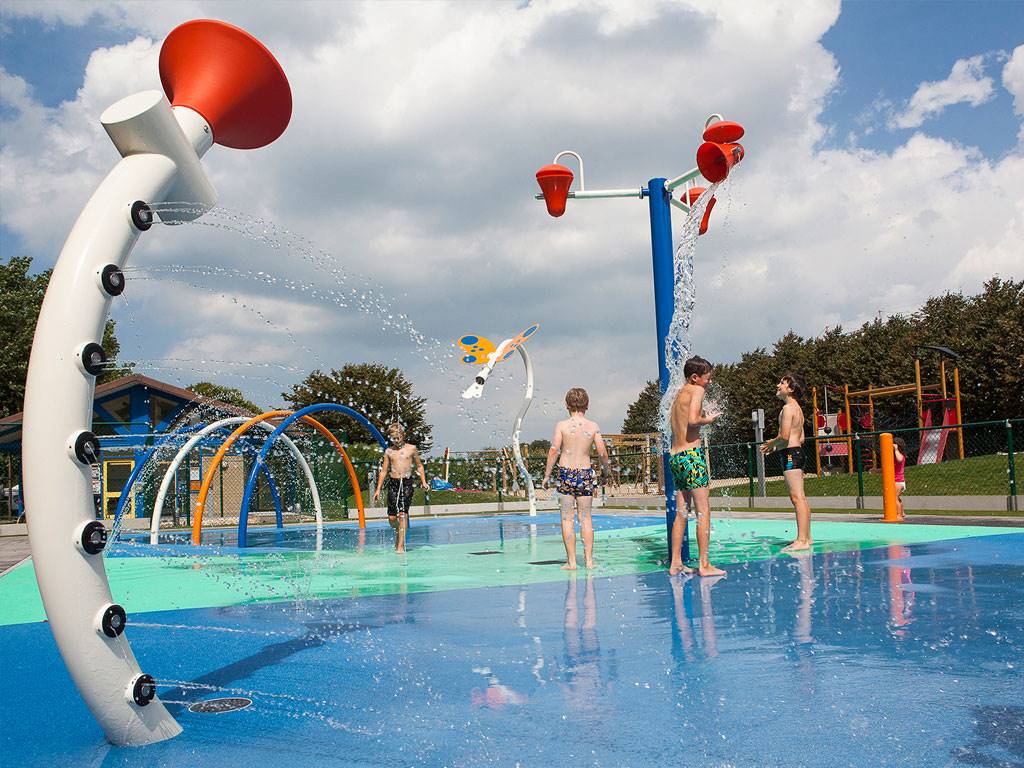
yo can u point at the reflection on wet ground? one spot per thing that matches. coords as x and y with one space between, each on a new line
907 654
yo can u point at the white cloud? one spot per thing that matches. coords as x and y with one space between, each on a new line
1013 78
410 157
966 84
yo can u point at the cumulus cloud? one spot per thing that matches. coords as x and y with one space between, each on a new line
407 177
967 84
1013 78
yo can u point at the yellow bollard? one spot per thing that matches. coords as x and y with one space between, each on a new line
888 479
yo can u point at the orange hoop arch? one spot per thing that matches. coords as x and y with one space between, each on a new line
204 489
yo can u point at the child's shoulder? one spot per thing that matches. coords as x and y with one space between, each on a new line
408 447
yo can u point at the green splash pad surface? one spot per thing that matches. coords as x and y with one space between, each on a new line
175 579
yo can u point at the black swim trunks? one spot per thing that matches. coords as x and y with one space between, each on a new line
399 495
793 458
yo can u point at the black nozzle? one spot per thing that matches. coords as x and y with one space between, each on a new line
113 621
142 216
94 537
144 690
112 279
480 380
94 358
87 448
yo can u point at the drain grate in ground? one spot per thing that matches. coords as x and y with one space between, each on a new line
220 706
486 552
548 562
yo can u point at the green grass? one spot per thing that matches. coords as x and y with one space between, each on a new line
980 475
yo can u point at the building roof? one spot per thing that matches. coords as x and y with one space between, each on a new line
10 426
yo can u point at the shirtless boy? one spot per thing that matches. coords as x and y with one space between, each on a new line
576 478
397 467
689 466
791 439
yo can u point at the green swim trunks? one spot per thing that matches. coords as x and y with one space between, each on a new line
689 469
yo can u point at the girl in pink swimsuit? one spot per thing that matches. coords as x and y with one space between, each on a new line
899 447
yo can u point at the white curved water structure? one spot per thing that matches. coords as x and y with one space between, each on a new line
527 399
165 484
160 149
476 389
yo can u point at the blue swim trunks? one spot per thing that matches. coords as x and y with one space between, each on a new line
689 469
577 482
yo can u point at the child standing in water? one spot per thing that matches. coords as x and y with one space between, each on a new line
397 467
689 466
899 448
576 478
791 438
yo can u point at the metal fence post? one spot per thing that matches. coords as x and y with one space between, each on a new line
750 475
497 485
1011 503
859 460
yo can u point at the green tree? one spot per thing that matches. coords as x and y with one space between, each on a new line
642 413
21 296
368 388
539 447
229 395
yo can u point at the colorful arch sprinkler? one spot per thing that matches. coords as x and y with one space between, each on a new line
477 349
715 159
226 88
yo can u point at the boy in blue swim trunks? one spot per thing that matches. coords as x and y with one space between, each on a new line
576 478
689 466
791 439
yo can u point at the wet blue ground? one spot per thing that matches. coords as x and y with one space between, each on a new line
893 656
432 531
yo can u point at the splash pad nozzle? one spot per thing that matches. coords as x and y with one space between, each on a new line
715 159
224 88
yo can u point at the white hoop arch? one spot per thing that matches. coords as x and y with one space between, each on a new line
165 484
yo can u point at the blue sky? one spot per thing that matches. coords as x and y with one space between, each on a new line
885 49
867 115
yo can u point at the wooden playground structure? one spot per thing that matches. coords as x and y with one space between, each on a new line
835 436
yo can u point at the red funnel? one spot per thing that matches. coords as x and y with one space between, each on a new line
555 181
229 77
691 197
715 160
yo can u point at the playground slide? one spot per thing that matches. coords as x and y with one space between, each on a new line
933 441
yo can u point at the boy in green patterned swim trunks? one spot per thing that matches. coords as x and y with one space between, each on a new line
576 478
690 467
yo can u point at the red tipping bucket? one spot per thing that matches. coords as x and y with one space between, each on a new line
723 132
229 77
555 181
715 160
691 197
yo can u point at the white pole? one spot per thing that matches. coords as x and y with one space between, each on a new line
160 150
516 450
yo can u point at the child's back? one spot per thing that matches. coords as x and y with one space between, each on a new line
578 435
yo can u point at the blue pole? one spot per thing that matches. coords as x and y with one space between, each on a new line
664 305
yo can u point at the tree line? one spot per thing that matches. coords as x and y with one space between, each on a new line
986 330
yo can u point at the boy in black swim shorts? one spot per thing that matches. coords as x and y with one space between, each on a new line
791 439
397 468
576 478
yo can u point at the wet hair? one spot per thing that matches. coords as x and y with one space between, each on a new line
396 430
577 399
696 366
900 443
796 383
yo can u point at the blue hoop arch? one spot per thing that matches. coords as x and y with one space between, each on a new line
250 485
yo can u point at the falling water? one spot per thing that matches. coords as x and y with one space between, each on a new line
677 342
